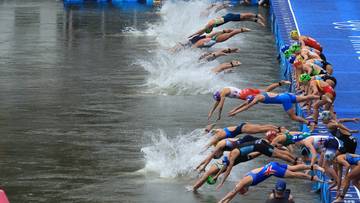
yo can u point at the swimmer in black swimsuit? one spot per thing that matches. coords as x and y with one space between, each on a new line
223 145
339 130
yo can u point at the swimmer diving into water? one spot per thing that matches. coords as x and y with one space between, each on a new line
233 92
286 99
258 175
227 18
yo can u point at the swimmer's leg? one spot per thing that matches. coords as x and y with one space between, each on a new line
302 167
255 128
244 182
230 33
284 155
294 117
298 175
316 109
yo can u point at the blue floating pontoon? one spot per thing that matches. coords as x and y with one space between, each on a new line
336 25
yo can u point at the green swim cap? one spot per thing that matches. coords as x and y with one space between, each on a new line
304 77
295 48
210 180
288 53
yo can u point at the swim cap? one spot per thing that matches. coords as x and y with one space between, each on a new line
325 115
294 34
288 53
225 161
210 180
284 48
217 96
250 98
292 59
295 48
270 135
304 77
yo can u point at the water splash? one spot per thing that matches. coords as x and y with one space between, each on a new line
173 157
178 73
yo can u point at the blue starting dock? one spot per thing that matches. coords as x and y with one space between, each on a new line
336 26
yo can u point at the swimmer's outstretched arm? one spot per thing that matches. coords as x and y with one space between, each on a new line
245 107
343 127
206 161
221 105
232 156
199 32
229 196
312 149
276 84
238 107
343 120
213 109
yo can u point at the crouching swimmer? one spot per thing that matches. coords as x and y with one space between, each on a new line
280 194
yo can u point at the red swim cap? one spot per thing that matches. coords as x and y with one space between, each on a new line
270 135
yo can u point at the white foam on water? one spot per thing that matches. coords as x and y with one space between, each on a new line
178 73
173 157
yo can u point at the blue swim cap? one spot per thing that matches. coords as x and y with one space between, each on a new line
250 98
217 96
284 48
226 161
280 186
292 59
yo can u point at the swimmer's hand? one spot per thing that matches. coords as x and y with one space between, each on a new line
231 114
356 120
200 169
189 188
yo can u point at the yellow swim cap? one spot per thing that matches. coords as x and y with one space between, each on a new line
294 34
